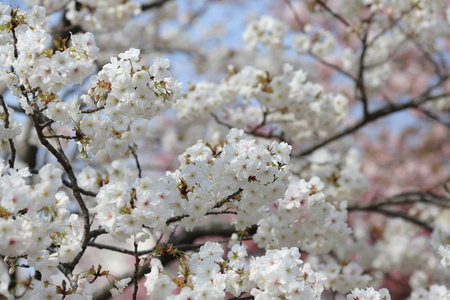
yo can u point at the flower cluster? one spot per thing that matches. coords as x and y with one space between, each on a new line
30 63
434 292
124 95
266 31
102 15
42 203
43 214
340 171
206 275
376 59
369 294
301 107
237 174
343 278
296 219
445 253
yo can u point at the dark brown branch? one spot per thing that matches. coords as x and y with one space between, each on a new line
183 242
10 141
176 219
412 197
391 213
114 248
227 199
360 83
82 191
137 161
378 206
379 113
251 132
154 4
136 270
58 136
217 205
63 160
97 232
92 110
223 212
333 13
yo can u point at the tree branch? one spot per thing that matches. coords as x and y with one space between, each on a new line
379 113
183 242
333 13
322 61
154 4
400 199
136 269
391 213
137 161
82 191
360 83
73 185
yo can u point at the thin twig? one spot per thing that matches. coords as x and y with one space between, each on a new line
227 199
391 213
92 110
433 116
137 161
82 191
112 248
391 24
332 66
322 61
253 132
425 53
333 13
60 136
412 197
